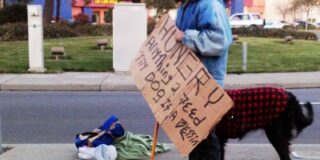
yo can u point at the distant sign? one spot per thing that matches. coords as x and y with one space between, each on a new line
105 1
182 95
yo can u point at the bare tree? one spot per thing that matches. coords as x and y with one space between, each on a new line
48 11
162 6
307 6
283 7
294 9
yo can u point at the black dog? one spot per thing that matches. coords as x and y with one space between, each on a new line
275 110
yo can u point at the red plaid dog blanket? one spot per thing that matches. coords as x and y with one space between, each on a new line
254 108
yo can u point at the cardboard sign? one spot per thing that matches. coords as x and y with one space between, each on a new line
182 95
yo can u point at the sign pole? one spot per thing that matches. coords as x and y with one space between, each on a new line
154 141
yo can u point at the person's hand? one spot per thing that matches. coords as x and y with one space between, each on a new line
179 36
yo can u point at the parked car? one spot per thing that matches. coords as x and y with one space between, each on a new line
277 24
302 24
246 20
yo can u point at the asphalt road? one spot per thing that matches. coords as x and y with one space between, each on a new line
56 117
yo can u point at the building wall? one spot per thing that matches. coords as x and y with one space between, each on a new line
65 8
239 6
76 11
68 9
267 8
256 6
101 14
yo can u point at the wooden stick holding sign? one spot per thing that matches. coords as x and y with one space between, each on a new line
154 140
185 100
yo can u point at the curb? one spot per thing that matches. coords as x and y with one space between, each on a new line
126 87
113 86
76 81
233 151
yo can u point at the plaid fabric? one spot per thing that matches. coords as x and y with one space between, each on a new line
254 108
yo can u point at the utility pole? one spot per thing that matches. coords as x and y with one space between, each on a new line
244 56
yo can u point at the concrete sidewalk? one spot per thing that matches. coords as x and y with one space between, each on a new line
233 152
79 81
107 81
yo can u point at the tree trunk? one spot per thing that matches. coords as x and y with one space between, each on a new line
58 11
48 11
294 15
307 19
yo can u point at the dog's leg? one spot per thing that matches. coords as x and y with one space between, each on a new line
222 142
279 139
208 149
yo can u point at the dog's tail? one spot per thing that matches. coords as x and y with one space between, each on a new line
304 112
307 113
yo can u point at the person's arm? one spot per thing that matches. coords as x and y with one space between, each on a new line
214 35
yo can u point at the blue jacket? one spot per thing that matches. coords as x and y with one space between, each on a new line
208 33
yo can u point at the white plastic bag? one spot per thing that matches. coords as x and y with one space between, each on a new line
102 152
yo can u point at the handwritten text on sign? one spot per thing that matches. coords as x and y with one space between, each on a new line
184 98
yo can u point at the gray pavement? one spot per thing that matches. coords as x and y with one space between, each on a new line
76 81
79 81
233 152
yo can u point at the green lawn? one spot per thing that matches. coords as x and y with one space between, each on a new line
82 54
272 55
264 55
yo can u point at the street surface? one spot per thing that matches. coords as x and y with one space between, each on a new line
56 117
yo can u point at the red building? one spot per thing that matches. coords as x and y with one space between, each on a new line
96 9
239 6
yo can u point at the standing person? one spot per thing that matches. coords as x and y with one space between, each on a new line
204 28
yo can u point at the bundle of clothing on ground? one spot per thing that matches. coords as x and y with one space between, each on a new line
111 142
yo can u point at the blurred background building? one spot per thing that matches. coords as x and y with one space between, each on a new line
97 10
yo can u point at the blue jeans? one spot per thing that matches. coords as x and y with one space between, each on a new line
208 149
